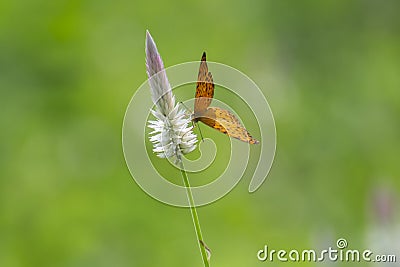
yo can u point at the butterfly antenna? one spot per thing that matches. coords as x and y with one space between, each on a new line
193 123
186 107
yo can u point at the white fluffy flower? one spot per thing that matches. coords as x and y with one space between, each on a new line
171 136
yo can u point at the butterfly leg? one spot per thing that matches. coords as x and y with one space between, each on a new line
201 135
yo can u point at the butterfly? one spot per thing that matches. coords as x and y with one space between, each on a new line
220 119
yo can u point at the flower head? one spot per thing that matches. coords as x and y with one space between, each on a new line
171 136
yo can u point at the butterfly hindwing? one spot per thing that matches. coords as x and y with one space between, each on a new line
227 123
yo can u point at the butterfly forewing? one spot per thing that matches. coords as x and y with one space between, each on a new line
204 88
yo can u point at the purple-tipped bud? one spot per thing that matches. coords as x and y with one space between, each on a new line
158 81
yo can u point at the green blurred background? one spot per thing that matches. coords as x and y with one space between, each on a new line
329 69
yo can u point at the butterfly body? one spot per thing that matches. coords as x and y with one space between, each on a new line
220 119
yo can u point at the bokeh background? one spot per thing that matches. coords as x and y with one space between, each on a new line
329 69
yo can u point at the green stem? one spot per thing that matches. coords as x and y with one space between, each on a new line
194 215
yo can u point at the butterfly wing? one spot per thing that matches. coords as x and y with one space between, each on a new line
227 123
204 88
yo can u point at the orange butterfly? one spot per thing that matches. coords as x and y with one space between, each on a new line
217 118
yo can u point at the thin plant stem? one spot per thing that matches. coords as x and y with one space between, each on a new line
195 217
